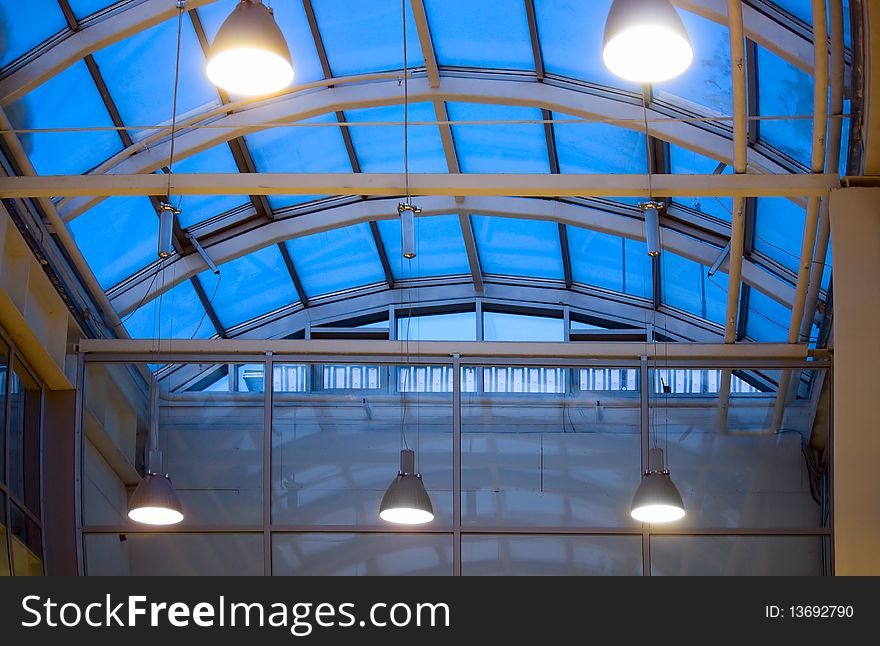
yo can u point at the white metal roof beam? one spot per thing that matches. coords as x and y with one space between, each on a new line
151 154
132 19
500 184
142 288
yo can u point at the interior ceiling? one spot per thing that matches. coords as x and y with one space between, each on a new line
511 86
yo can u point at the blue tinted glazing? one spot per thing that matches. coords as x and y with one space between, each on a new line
440 249
494 148
337 259
608 261
802 9
687 162
847 26
706 85
492 34
500 326
461 326
139 72
50 106
299 149
784 90
844 138
767 320
291 19
24 25
118 237
365 37
379 149
571 33
637 271
182 315
253 285
598 147
687 286
779 230
518 247
197 208
84 8
596 258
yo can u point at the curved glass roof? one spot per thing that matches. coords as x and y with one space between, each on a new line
519 88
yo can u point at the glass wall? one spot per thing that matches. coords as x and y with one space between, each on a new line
21 551
288 481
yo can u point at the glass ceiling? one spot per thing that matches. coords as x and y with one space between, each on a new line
128 84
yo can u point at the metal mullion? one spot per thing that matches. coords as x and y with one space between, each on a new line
383 255
294 276
751 56
743 315
268 393
456 465
536 41
644 429
209 309
316 36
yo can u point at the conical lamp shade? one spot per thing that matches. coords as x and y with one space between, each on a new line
406 501
249 56
154 502
657 499
645 41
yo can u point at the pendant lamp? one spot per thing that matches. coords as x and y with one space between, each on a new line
645 41
406 501
249 56
657 499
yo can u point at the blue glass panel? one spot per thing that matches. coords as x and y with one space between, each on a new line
687 286
379 149
336 259
844 138
183 316
27 24
802 9
481 34
50 106
779 230
568 48
461 326
291 18
784 90
299 149
84 8
767 320
637 274
196 208
706 85
598 148
139 72
687 162
596 258
253 285
847 27
118 237
518 247
365 37
440 249
494 148
500 326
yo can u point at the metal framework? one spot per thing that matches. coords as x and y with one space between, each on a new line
457 354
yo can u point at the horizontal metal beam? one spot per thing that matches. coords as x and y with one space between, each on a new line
538 350
513 184
709 139
144 287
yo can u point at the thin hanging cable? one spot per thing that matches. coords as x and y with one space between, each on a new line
408 199
181 7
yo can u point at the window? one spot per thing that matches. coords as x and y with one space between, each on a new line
24 438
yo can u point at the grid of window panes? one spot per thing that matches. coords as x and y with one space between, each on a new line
496 37
21 551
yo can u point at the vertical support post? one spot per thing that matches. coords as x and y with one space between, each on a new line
78 461
268 389
644 428
456 465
